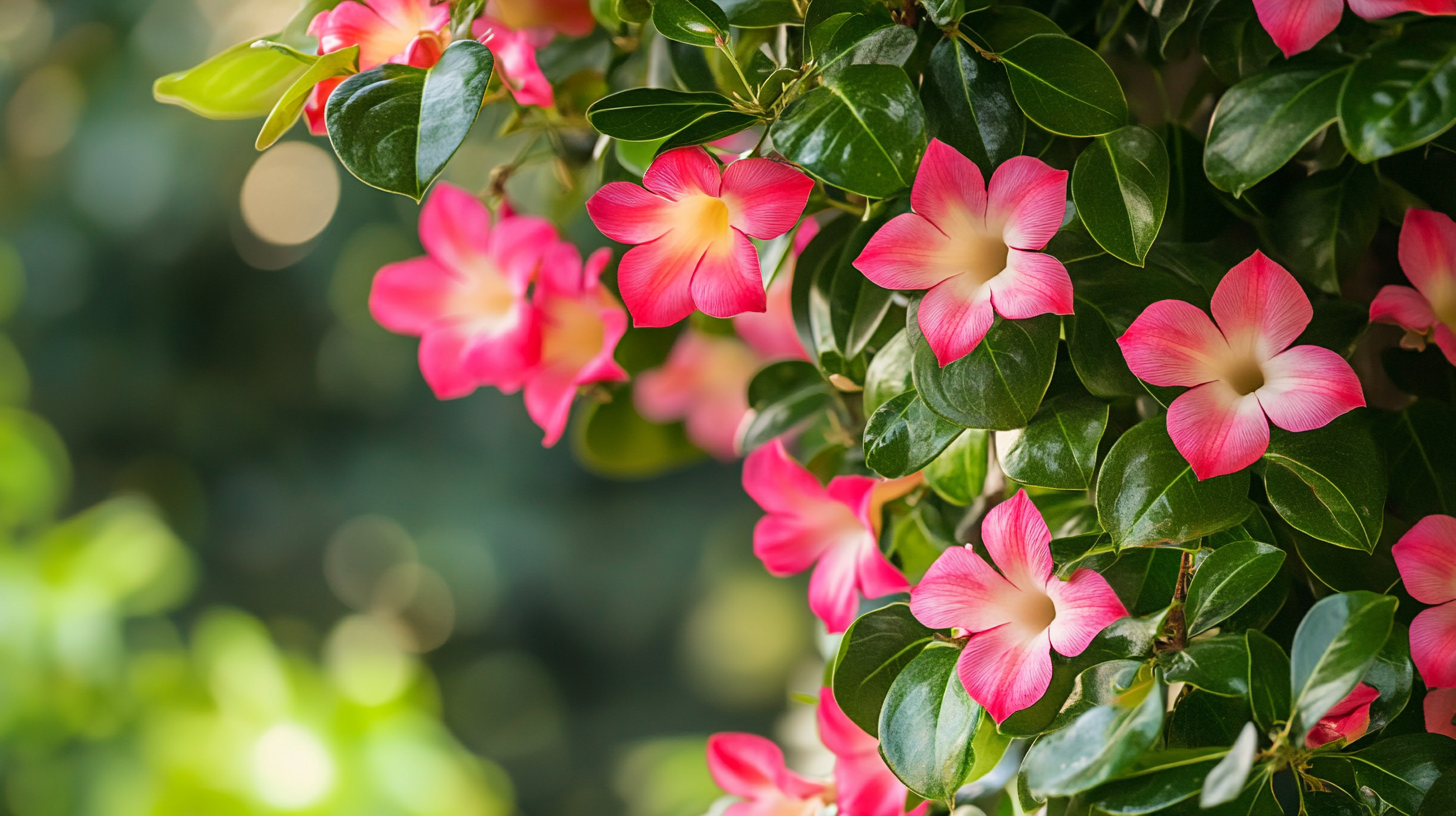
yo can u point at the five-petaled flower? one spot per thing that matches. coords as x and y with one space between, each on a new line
864 785
1014 617
1242 373
1348 720
974 249
1427 312
1296 25
1426 556
752 768
834 529
692 223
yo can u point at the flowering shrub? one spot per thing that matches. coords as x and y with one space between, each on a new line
1082 327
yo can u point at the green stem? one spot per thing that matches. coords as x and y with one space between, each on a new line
1116 26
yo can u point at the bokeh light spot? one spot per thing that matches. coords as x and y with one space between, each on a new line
742 640
290 195
360 553
291 767
366 662
42 115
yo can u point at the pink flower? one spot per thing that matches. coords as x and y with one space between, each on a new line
413 32
772 332
973 248
1296 25
751 767
864 785
580 325
1426 556
833 529
515 55
466 300
1427 312
1017 616
570 17
1348 720
1440 711
1242 372
705 382
692 224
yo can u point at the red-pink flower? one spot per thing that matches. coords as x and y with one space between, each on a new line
974 249
1014 617
772 333
835 530
466 300
1427 312
864 785
570 17
515 59
1296 25
1348 720
1426 556
1440 710
580 325
752 768
704 382
692 224
1242 372
412 32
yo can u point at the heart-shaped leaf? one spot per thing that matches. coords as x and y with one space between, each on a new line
1229 578
1328 482
1403 95
1063 86
873 652
999 385
1120 187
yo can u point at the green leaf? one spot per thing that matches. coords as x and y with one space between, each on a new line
1144 577
695 22
1218 665
866 40
344 62
1063 86
932 734
780 397
873 652
1001 27
1205 720
862 131
1328 482
1440 799
761 13
1262 122
240 83
904 436
958 474
396 127
1157 782
1402 769
1101 742
1327 222
889 374
1226 781
1392 675
969 106
1269 680
999 385
1058 449
1422 453
1402 95
1147 493
649 114
1234 42
1346 570
1334 645
1090 550
613 440
1229 578
710 128
1120 187
948 12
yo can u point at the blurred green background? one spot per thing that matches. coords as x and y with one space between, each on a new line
248 564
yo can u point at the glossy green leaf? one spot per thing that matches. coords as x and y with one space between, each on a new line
1257 799
1063 86
904 436
761 13
1392 674
1234 42
1229 578
710 128
1000 27
1226 781
1422 455
780 397
1402 95
889 374
1218 665
1440 799
1144 577
1205 720
1147 493
1101 741
872 653
1120 187
1343 569
866 40
1157 782
1402 769
958 474
862 131
1326 223
613 440
1089 550
917 539
999 385
695 22
969 105
344 62
240 83
1328 483
1269 681
1058 449
1262 122
649 114
947 12
1336 642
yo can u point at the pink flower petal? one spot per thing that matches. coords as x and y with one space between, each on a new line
1306 387
1433 645
1029 198
1173 343
1085 606
949 189
1019 542
548 397
1428 256
960 590
877 576
838 732
656 280
1349 719
314 109
834 588
515 56
1259 305
627 213
570 17
1296 25
1446 341
771 332
866 787
383 29
791 538
1426 556
908 252
764 198
683 172
1376 9
505 358
1440 710
727 281
442 362
1218 431
1006 669
1034 283
745 765
410 297
1404 307
954 316
455 228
